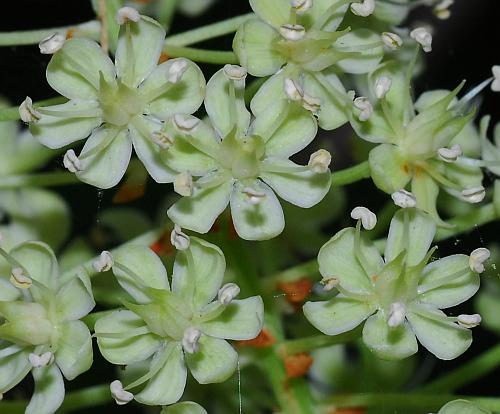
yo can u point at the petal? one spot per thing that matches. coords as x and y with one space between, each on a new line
337 258
215 361
415 239
254 47
75 69
275 12
261 221
138 50
105 167
14 366
75 300
444 339
287 128
199 211
8 292
389 343
173 373
271 90
186 407
59 131
302 187
74 349
241 320
49 390
363 60
149 152
40 263
338 315
129 347
426 191
389 171
455 291
332 112
221 108
198 277
461 407
320 10
147 268
184 97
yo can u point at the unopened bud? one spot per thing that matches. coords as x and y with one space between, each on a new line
392 40
177 70
183 184
235 72
422 36
366 109
42 360
382 86
404 199
450 154
121 396
71 161
254 196
292 32
228 292
185 123
469 321
363 9
190 340
319 161
474 195
301 6
27 112
126 14
477 259
52 44
19 279
397 314
178 239
104 262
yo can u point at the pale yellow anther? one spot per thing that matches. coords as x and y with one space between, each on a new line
364 8
190 340
254 196
293 90
367 217
227 293
177 70
183 184
442 10
477 259
71 162
27 111
450 154
235 72
392 40
469 321
382 86
52 44
319 161
404 199
178 239
397 314
365 107
292 32
42 360
19 279
301 6
161 139
330 283
495 85
104 262
121 396
311 103
126 14
185 123
422 36
474 195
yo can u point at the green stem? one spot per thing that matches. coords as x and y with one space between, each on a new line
295 346
12 113
351 175
405 401
39 180
216 57
76 400
208 32
29 37
466 373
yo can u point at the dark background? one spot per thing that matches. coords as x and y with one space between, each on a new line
464 47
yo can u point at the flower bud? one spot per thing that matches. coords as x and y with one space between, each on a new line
177 70
121 396
228 292
126 14
477 259
404 199
495 85
52 44
292 32
450 154
190 340
422 36
474 195
42 360
178 239
397 314
185 123
293 90
183 184
235 72
392 40
71 161
254 197
104 262
301 6
382 86
363 104
319 161
161 139
19 279
27 112
469 321
367 217
363 9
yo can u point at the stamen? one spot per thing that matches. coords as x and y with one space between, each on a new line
235 72
178 239
104 262
404 199
450 154
177 70
190 340
474 195
185 123
363 104
121 396
392 40
477 259
469 321
382 86
367 217
161 139
293 90
495 85
442 10
27 112
19 279
422 36
42 360
397 314
363 9
254 196
301 6
227 293
183 184
126 14
71 162
292 32
311 103
319 161
52 44
330 283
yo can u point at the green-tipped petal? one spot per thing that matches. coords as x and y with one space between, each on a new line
74 349
199 211
454 291
415 239
198 272
186 407
462 407
138 49
338 315
254 46
256 221
145 265
215 361
13 367
59 131
222 108
49 390
389 343
389 170
74 70
185 97
128 347
363 60
337 258
105 167
241 320
75 300
301 187
442 338
320 9
167 385
275 12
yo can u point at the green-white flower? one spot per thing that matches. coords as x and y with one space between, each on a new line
186 407
401 295
417 140
241 162
462 407
175 328
117 106
40 329
304 39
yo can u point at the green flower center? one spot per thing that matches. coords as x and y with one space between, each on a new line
242 155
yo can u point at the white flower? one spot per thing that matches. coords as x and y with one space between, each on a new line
422 36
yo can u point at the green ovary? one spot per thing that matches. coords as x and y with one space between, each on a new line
242 155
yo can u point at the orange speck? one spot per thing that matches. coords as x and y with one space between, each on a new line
263 340
374 278
163 58
297 365
406 168
70 33
162 246
353 410
296 292
129 192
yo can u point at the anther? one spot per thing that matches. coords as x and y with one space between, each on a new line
477 259
442 10
52 44
474 195
301 6
330 283
382 86
363 9
469 321
404 199
161 139
27 112
397 314
422 36
495 85
121 396
185 123
227 293
311 103
292 32
183 184
392 40
367 217
71 162
177 70
450 154
42 360
254 196
19 279
235 72
104 262
178 239
293 90
363 104
319 161
126 14
190 340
